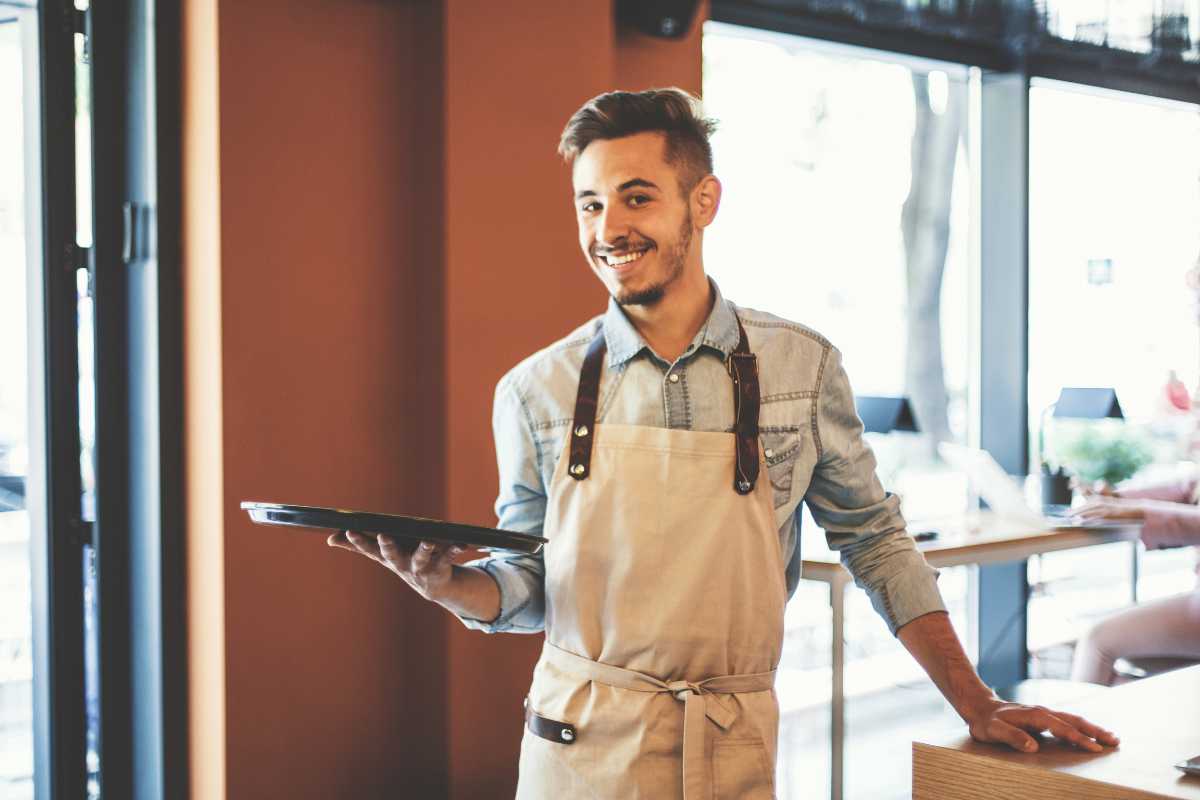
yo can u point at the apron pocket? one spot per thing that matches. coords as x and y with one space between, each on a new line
548 729
741 771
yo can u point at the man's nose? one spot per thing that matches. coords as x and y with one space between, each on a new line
614 226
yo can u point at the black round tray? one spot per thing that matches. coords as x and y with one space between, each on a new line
413 528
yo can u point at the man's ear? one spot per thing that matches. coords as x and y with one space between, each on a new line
706 198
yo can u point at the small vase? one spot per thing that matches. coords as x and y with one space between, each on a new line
1056 488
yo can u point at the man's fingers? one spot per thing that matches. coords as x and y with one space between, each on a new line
1000 731
1036 719
340 540
1095 731
428 557
395 555
364 544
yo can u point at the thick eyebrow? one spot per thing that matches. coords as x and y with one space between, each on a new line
626 185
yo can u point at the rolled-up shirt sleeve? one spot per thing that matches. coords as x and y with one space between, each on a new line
521 507
862 521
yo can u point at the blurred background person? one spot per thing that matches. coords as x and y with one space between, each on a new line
1170 517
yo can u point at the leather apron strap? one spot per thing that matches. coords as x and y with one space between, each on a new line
700 700
742 366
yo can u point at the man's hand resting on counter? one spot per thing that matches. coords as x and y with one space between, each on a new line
935 646
430 570
994 720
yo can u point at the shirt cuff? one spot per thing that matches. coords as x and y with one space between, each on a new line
910 593
516 600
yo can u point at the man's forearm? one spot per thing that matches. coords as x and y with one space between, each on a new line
470 592
933 643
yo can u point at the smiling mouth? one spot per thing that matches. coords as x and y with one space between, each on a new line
620 260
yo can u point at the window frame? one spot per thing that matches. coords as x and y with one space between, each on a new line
139 528
57 533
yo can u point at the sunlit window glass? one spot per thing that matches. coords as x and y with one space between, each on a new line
16 645
1114 242
846 207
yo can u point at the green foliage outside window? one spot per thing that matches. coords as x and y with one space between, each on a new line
1109 455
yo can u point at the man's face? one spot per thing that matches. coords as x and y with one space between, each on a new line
635 226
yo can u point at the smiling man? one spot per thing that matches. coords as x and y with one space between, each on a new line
663 448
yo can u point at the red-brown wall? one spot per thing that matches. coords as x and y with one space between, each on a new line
377 227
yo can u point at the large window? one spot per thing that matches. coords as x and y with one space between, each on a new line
847 207
1114 230
16 642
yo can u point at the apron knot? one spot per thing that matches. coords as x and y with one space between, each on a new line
697 696
681 689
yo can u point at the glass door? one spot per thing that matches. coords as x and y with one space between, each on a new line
16 621
43 716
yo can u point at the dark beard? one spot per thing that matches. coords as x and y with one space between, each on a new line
674 259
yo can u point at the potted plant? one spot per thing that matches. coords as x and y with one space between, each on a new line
1111 456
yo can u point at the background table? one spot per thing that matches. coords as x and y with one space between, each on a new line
1157 719
976 538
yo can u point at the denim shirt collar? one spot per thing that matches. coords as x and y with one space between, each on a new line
719 332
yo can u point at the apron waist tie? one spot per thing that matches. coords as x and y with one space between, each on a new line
699 700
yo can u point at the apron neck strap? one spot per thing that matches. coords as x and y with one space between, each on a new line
583 426
743 369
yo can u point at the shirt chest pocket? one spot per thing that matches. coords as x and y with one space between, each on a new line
781 451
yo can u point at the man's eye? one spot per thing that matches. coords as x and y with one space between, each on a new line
588 208
639 200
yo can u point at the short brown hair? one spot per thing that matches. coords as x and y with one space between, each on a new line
673 112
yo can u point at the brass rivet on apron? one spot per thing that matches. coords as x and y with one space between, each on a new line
567 735
577 469
582 430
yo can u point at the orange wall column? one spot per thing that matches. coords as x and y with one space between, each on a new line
313 266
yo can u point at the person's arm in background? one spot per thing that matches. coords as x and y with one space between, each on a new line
498 593
1166 511
1176 491
864 523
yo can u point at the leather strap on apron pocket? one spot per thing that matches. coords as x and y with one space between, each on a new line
548 729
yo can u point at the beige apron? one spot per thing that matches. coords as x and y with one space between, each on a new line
664 619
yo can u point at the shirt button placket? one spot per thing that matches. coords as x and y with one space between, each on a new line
677 413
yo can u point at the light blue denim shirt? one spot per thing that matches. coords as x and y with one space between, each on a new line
811 439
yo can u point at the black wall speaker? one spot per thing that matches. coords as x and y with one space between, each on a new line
670 19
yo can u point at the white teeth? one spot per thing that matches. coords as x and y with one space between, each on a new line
625 259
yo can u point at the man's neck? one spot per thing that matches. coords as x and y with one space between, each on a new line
671 324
